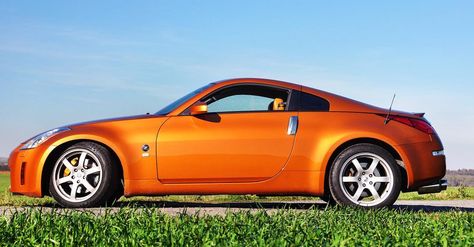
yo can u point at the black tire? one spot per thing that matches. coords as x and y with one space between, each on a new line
328 199
105 190
386 169
116 195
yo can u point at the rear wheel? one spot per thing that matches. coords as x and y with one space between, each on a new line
84 176
365 175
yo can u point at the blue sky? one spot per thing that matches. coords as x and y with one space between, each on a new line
63 62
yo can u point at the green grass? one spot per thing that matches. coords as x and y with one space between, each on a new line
452 193
6 198
331 227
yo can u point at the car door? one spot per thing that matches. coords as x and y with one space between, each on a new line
243 137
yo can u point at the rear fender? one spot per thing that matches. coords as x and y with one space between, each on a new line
349 140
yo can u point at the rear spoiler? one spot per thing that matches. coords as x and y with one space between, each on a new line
421 114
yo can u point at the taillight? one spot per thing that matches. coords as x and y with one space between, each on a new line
418 124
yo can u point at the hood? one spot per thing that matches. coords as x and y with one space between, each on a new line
135 117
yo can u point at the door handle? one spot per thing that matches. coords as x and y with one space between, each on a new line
293 125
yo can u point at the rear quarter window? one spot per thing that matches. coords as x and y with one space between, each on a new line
309 102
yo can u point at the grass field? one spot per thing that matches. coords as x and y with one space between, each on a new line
330 227
6 198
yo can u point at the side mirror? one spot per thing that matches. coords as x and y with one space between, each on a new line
198 108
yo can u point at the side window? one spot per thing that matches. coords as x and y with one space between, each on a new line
240 103
246 98
309 102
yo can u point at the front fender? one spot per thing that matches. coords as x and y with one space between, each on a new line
58 141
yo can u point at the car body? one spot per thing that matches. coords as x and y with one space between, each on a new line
221 140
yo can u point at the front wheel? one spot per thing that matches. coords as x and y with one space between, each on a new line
84 176
365 175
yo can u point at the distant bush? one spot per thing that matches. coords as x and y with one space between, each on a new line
469 172
460 177
4 164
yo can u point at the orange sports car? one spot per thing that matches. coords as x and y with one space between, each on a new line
238 136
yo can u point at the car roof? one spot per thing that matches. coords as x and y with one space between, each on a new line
262 81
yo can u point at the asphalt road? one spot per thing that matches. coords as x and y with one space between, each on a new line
203 208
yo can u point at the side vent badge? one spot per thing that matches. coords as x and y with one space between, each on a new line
145 149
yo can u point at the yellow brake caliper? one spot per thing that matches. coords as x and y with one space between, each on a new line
73 162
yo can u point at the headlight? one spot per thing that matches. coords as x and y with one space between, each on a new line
37 140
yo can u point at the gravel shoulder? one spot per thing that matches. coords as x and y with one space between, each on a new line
176 208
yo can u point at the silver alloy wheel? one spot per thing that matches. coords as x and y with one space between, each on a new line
77 175
366 179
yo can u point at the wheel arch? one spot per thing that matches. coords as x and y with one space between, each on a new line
60 146
369 140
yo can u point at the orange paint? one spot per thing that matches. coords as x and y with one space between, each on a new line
237 153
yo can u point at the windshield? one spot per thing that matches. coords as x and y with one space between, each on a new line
181 100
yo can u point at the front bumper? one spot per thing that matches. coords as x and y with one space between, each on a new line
25 174
434 188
